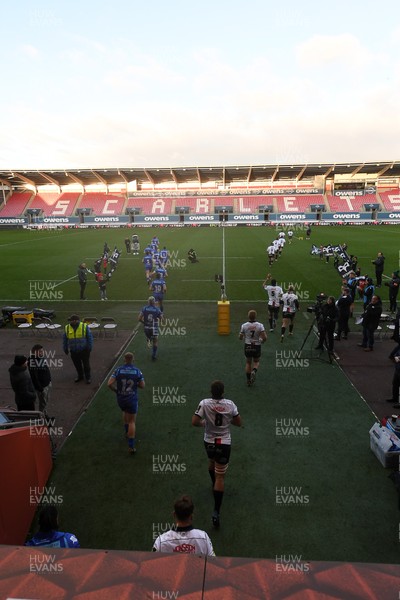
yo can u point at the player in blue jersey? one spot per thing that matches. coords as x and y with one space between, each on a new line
148 265
48 534
125 382
164 255
159 288
151 316
160 272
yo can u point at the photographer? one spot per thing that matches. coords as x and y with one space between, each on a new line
371 317
344 305
327 316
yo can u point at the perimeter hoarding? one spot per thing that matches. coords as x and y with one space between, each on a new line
245 218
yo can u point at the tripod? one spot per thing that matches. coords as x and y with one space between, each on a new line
331 355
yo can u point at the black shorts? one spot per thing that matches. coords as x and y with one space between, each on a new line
220 453
151 332
287 315
252 350
273 310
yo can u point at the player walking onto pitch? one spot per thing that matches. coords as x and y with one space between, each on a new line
274 292
151 316
184 538
290 307
217 414
271 254
254 335
125 382
159 289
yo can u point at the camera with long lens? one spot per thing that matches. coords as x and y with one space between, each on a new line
317 307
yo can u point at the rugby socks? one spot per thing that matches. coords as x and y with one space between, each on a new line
218 500
290 328
131 442
212 475
283 329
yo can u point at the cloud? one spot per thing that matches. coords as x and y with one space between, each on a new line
30 51
325 50
203 108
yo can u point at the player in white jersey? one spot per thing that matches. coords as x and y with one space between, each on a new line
282 234
184 538
271 254
217 414
282 242
253 334
290 306
274 292
290 235
275 244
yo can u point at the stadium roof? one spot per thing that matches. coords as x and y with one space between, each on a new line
178 175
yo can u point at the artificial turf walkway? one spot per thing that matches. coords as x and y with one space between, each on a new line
302 479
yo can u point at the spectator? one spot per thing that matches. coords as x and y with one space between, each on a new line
40 375
21 383
395 381
82 278
396 336
379 263
368 292
393 286
371 317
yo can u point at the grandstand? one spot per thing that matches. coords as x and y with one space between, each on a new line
152 205
351 202
249 204
283 189
102 203
390 199
54 204
297 203
16 205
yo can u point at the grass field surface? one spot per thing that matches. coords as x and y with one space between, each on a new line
302 479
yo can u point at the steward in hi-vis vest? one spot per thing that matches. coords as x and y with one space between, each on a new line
78 340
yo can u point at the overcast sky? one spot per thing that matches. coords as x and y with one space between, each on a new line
129 83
